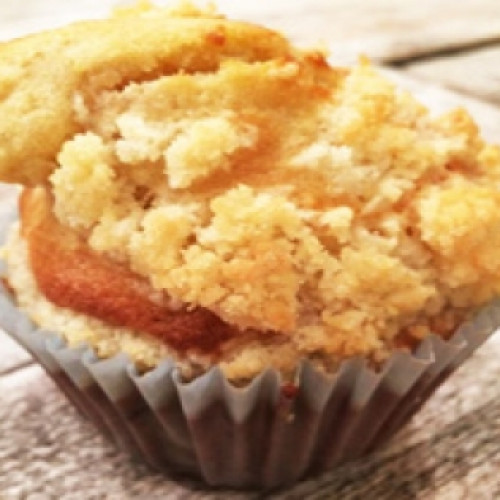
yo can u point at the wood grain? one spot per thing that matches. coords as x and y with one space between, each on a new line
384 30
475 72
11 355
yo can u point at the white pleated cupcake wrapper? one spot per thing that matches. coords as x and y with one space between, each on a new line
258 436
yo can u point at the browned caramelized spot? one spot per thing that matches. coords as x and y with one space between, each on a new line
318 59
217 37
71 275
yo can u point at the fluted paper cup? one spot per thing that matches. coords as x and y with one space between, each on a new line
264 435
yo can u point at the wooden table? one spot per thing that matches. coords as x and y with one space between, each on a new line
448 53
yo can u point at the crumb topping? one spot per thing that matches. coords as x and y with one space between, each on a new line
323 204
284 195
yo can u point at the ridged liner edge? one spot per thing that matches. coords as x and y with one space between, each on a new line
257 436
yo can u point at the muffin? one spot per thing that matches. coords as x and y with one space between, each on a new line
241 249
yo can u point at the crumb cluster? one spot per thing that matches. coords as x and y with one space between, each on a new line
321 204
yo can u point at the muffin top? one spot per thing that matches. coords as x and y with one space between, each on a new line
238 174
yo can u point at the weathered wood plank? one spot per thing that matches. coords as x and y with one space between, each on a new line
385 30
11 355
476 72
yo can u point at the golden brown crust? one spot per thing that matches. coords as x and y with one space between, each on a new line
70 275
42 73
237 175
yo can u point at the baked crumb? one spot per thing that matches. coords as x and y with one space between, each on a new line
283 195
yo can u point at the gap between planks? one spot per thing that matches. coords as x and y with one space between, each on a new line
15 368
464 48
474 72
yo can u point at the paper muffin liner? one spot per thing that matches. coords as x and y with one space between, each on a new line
264 435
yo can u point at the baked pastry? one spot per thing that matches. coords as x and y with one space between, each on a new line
198 189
